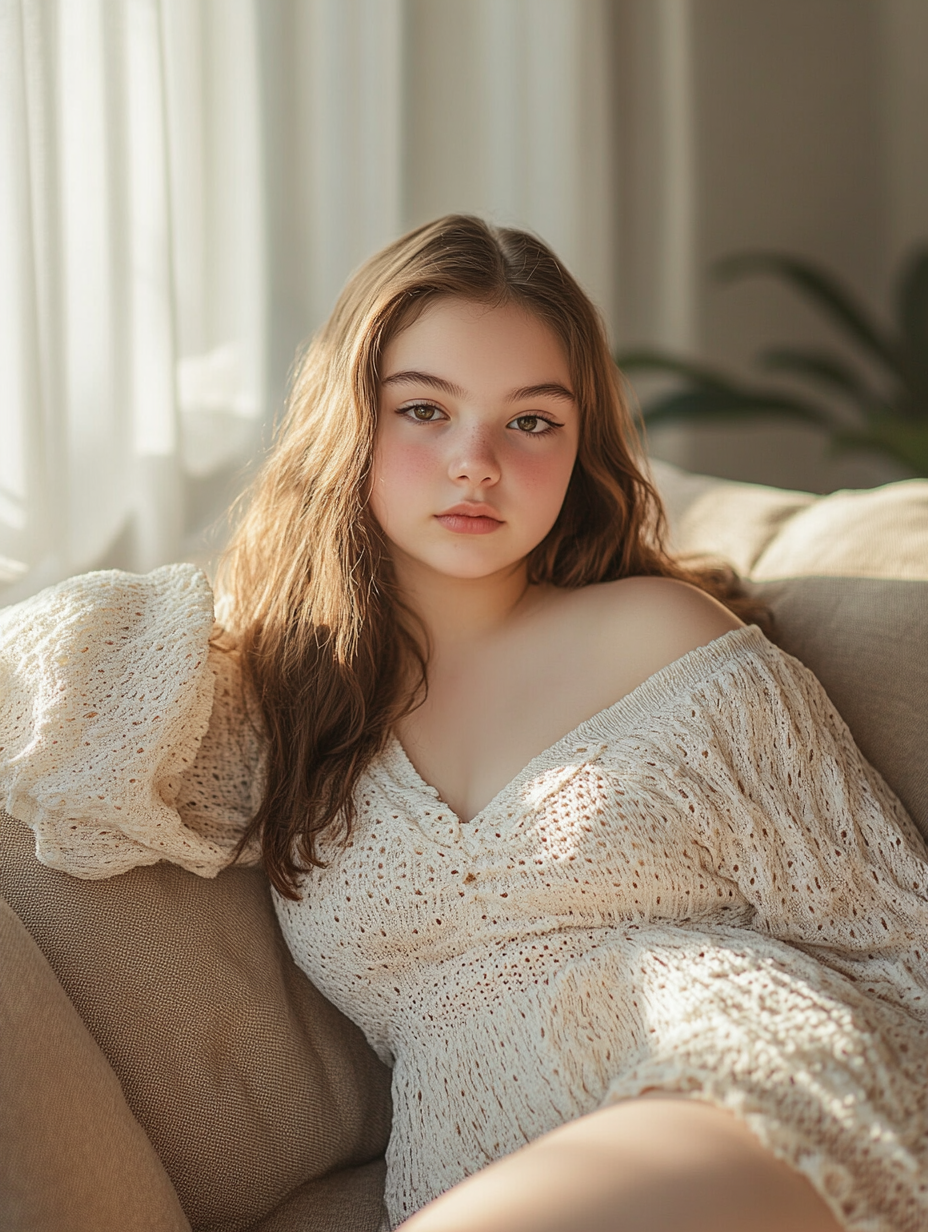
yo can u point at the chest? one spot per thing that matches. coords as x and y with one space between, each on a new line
486 717
573 845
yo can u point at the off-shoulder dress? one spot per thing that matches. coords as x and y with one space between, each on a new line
704 888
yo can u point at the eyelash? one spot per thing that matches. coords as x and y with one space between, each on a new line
553 425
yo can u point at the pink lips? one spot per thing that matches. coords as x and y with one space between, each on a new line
470 519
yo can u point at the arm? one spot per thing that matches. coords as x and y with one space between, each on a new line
106 693
810 832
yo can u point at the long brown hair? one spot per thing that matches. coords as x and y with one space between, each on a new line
326 644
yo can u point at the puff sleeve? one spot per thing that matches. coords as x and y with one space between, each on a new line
111 749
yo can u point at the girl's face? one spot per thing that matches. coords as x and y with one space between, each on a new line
476 437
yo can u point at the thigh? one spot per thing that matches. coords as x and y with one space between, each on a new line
659 1164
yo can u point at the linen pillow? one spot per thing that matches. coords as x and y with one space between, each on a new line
71 1153
717 517
248 1083
867 641
771 533
881 533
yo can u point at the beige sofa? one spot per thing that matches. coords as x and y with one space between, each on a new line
165 1066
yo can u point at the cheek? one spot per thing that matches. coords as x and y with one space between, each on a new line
398 472
397 463
543 477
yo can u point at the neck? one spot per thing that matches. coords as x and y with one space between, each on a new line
459 612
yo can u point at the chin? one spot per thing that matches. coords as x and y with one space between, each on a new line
477 570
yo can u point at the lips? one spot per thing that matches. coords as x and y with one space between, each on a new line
470 519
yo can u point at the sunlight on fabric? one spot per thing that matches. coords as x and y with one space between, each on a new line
151 291
218 405
17 309
218 229
15 348
356 130
533 56
132 283
92 355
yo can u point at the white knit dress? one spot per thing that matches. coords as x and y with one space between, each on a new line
704 888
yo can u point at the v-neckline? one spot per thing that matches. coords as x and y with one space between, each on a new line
689 667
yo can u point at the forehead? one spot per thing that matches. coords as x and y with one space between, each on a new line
452 337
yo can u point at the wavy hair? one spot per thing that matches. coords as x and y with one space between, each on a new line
327 647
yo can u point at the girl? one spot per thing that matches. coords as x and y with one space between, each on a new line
659 972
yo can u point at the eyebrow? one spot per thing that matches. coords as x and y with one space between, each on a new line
424 378
548 389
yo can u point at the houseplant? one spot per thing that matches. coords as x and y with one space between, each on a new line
871 395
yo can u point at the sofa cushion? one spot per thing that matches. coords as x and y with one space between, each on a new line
72 1155
349 1199
717 517
248 1083
867 641
850 598
769 533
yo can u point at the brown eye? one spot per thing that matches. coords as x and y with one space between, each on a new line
534 425
422 412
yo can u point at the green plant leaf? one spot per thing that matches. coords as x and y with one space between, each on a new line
825 369
824 290
905 442
711 395
912 299
895 418
672 365
819 365
717 403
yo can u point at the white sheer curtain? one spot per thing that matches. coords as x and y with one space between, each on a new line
132 284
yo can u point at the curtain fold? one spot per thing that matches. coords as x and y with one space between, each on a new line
133 284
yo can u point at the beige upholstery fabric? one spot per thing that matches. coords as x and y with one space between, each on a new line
867 641
736 521
881 533
767 533
348 1200
72 1155
247 1081
851 601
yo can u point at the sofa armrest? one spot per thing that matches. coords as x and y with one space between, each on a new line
72 1155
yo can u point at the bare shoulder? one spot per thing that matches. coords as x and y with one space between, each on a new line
642 624
679 610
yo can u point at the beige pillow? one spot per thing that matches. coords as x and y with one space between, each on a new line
770 533
736 521
346 1201
882 533
867 641
248 1083
851 599
71 1153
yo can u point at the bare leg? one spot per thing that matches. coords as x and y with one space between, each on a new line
658 1164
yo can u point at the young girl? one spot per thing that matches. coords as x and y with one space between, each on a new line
598 870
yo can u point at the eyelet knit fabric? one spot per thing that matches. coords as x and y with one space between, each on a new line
124 738
703 889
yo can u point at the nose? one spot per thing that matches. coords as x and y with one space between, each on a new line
474 458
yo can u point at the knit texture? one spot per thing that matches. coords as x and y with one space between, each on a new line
124 738
704 888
